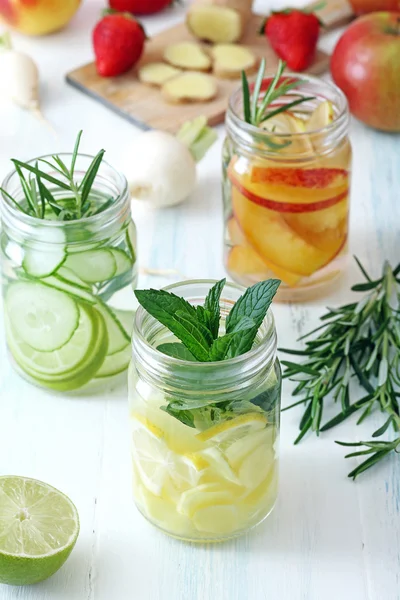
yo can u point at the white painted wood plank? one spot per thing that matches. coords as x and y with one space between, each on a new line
328 537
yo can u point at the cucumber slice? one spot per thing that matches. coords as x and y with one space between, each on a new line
93 266
44 258
126 318
123 262
43 317
131 240
117 336
75 247
73 365
73 290
68 275
115 363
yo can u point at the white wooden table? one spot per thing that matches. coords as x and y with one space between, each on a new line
329 538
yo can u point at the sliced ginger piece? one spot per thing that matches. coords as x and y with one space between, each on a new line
187 55
219 21
157 73
190 87
230 60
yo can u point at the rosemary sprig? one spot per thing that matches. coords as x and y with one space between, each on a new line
255 110
360 340
38 196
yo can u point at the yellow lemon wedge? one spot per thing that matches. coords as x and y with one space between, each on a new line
229 431
241 448
203 496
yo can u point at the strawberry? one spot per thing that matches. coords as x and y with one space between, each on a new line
293 34
140 7
118 41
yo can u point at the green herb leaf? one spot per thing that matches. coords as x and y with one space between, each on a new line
90 176
179 317
42 174
75 153
211 306
222 347
176 350
246 98
184 416
254 304
358 340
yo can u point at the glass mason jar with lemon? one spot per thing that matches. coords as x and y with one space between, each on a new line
286 170
204 430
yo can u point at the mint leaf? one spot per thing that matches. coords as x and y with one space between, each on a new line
254 304
204 316
184 416
179 317
176 350
211 305
221 347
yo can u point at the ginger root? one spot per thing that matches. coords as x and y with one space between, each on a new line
230 60
157 73
190 87
187 55
219 21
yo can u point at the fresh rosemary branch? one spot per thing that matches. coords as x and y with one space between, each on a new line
359 340
39 199
257 110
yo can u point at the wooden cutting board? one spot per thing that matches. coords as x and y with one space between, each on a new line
144 106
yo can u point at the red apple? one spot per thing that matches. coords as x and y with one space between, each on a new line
366 66
361 7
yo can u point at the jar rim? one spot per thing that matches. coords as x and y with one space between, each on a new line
338 120
7 206
266 344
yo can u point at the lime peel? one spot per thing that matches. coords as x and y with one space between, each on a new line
38 530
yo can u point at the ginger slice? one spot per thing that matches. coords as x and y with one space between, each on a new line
230 60
187 55
190 87
157 73
219 21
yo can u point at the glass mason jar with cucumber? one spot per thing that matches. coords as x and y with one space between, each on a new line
204 393
68 250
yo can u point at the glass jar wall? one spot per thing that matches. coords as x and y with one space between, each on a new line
67 284
286 193
204 435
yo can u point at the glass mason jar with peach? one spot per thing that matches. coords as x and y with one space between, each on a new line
286 170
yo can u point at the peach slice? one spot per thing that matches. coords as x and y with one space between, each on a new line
244 260
270 235
281 198
294 185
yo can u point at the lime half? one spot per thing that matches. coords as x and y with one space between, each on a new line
38 529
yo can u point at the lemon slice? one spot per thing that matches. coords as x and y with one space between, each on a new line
242 447
322 116
156 463
256 466
219 464
234 429
203 496
152 457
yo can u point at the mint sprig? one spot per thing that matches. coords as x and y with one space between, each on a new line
198 327
198 330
